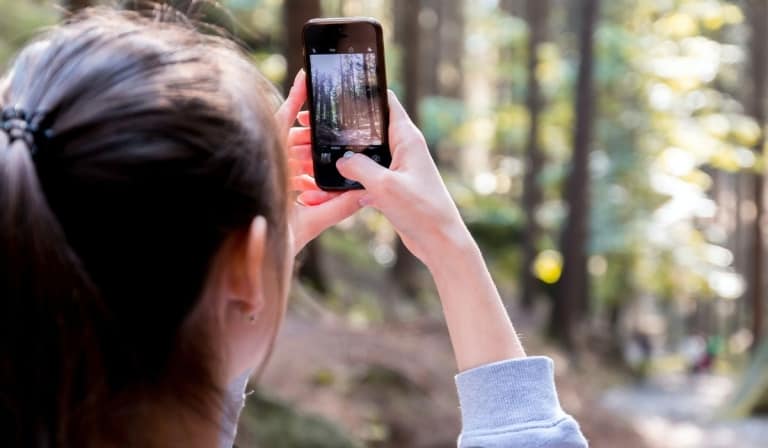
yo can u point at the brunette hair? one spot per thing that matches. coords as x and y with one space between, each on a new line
154 147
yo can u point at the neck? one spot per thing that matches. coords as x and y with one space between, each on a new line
159 422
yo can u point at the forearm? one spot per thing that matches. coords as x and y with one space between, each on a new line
480 329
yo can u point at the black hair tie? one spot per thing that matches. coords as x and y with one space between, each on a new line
19 125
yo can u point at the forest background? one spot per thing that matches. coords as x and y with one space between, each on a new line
609 158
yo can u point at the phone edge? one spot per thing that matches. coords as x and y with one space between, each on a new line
310 96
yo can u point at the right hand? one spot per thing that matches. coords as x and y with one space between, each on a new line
315 210
411 193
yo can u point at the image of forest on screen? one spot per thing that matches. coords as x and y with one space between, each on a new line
347 105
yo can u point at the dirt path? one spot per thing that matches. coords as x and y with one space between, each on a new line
676 411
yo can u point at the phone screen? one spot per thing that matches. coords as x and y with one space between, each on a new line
346 103
347 90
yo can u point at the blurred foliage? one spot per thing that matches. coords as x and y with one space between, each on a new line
19 21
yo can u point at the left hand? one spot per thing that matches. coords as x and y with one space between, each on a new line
315 210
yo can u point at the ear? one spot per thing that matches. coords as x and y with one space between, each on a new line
245 281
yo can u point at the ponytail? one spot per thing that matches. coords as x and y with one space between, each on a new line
164 152
47 307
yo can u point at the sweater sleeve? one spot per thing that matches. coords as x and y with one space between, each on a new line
514 404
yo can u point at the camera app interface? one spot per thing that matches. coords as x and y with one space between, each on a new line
347 106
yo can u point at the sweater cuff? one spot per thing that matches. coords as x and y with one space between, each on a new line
516 392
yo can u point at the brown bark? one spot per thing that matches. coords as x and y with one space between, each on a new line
759 57
295 14
405 272
537 13
452 44
408 38
429 43
572 292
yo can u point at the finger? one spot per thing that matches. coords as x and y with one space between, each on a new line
315 219
301 152
316 197
299 136
303 182
297 96
403 133
335 209
397 113
304 118
298 167
361 168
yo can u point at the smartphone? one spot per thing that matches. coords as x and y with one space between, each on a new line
347 93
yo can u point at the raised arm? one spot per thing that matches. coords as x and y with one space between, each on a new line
413 197
507 399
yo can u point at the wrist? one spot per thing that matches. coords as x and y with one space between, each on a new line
450 243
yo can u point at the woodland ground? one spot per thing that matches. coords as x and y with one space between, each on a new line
391 385
395 383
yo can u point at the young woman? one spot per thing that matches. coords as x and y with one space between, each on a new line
147 236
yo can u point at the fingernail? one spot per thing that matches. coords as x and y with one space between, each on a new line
348 154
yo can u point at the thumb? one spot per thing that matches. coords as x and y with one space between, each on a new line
361 168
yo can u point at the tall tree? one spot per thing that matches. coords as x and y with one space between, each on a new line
572 291
295 14
408 39
758 13
451 48
537 14
405 271
430 22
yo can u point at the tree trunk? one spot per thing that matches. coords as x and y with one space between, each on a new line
572 292
430 23
751 395
537 14
408 38
429 45
758 13
405 271
451 48
295 14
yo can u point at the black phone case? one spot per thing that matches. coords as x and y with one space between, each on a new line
381 81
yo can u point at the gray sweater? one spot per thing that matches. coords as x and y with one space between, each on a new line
505 404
